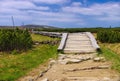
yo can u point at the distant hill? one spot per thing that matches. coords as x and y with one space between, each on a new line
30 26
37 26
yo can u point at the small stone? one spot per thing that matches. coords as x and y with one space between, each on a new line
55 80
74 61
106 79
41 74
98 59
62 62
52 62
86 58
45 79
104 67
36 43
31 79
62 56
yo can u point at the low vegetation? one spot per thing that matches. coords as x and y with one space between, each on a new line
108 36
40 38
111 56
85 29
115 47
13 66
110 46
15 39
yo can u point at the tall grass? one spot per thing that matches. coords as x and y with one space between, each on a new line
111 56
108 36
40 38
15 39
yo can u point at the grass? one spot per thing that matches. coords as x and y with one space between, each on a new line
115 47
111 51
111 56
14 66
40 38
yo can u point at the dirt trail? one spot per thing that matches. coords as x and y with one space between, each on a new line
88 69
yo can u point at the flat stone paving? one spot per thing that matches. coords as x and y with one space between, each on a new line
80 67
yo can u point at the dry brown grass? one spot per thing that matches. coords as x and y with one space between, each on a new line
115 47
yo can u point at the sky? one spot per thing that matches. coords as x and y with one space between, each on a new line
61 13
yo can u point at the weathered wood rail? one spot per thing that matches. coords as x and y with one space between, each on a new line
93 41
50 34
63 41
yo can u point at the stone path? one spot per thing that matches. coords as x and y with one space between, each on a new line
79 63
80 67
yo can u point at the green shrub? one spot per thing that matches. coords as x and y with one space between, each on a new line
14 39
108 36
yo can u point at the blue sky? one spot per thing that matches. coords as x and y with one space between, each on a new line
61 13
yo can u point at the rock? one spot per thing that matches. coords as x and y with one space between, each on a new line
68 61
36 43
62 56
55 80
31 79
41 74
103 67
86 58
45 79
73 61
62 61
98 59
106 79
52 62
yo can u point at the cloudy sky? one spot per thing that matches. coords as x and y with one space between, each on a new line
61 13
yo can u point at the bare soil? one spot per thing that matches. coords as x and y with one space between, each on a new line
59 72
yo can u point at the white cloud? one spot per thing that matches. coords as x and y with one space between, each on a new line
51 1
54 16
31 11
96 9
81 10
109 18
27 11
76 4
20 5
110 11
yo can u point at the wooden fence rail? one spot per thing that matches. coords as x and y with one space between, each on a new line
63 41
93 41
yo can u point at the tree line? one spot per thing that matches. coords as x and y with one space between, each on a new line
15 39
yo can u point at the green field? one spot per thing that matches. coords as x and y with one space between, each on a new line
14 66
40 38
